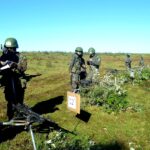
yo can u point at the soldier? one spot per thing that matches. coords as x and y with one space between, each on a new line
128 62
13 78
141 62
76 69
94 64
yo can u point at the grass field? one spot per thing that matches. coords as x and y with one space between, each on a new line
48 83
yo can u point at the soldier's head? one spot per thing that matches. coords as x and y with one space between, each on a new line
11 44
91 51
141 57
128 55
79 51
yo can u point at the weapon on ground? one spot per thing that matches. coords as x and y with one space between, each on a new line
26 117
32 117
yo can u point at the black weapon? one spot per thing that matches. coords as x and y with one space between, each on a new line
26 113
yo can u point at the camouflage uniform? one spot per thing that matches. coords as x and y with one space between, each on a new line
13 79
141 62
77 69
128 62
94 64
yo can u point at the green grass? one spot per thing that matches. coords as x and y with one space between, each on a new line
49 79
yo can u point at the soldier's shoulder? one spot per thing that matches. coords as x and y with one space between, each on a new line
21 55
97 57
74 56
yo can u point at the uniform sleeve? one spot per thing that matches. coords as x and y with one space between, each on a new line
96 61
22 64
72 63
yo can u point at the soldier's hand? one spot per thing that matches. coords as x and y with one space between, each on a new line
13 64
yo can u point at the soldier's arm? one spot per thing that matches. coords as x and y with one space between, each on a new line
96 61
83 64
72 63
22 64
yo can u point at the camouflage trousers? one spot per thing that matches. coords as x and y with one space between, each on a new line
94 76
75 82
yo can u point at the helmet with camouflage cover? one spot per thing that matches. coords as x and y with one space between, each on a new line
11 43
91 50
79 49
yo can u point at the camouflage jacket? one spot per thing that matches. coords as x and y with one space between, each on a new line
128 62
141 62
95 62
77 64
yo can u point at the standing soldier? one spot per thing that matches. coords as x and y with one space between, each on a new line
94 64
141 62
13 77
128 62
77 66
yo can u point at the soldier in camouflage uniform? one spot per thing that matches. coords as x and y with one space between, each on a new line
94 65
128 62
76 69
13 79
141 62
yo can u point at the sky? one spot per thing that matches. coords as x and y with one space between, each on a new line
62 25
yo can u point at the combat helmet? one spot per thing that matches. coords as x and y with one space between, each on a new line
128 55
91 50
11 43
79 49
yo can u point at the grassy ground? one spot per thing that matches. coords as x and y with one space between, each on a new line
48 82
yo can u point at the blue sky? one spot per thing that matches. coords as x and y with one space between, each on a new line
62 25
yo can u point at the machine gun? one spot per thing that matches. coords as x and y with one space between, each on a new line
28 118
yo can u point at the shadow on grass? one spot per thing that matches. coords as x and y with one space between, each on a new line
47 106
8 133
84 116
109 146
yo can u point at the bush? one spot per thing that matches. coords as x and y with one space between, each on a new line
113 99
63 141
